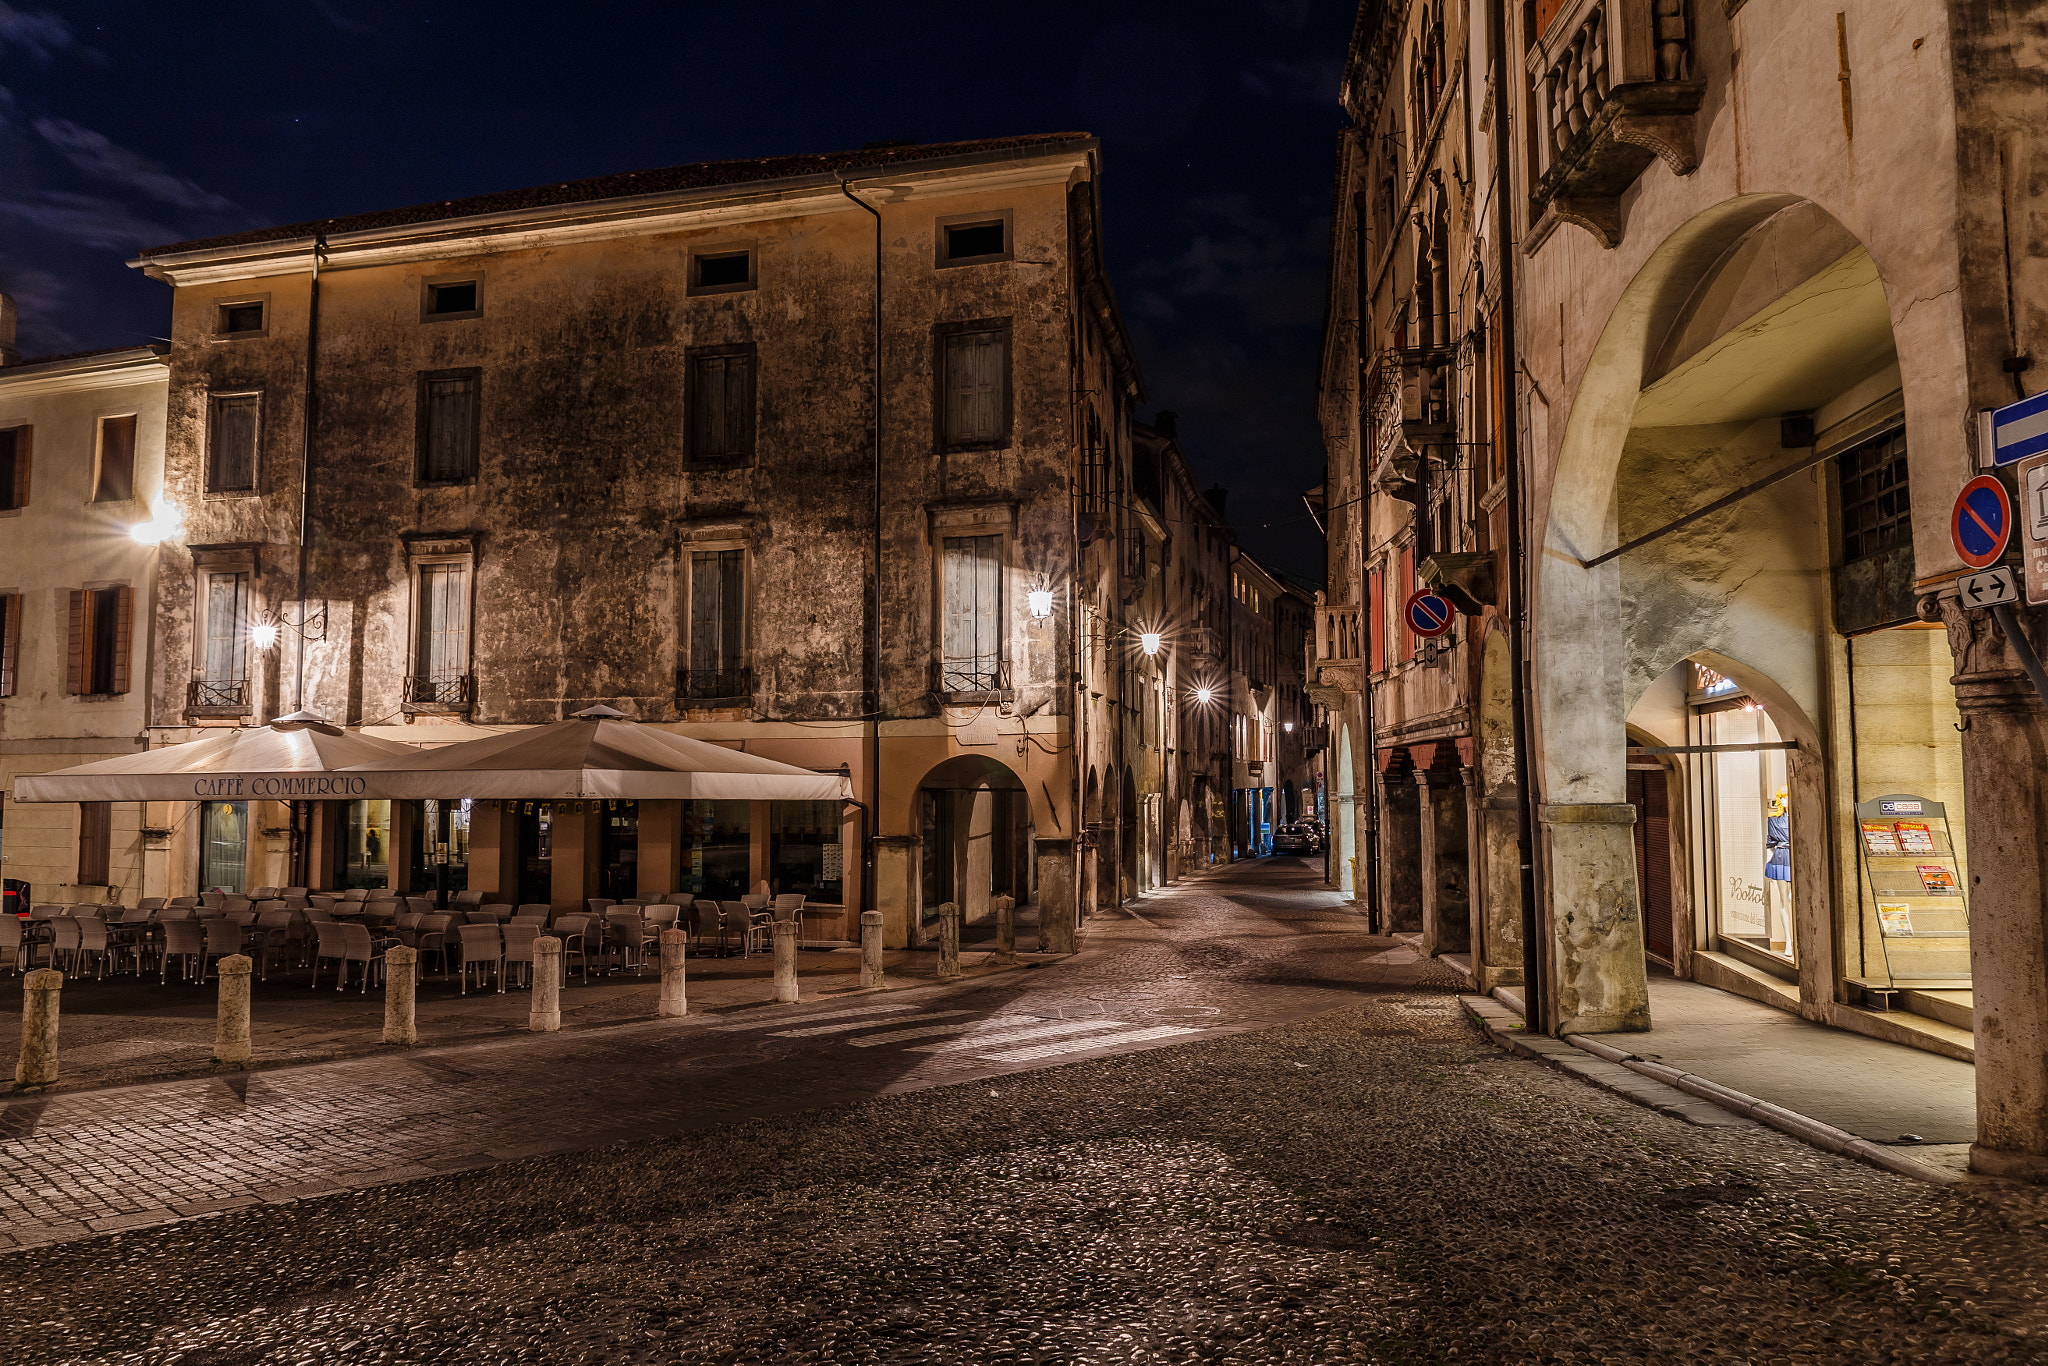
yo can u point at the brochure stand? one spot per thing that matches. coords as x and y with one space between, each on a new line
1923 915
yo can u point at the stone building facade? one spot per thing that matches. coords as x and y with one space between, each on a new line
1772 267
81 466
484 463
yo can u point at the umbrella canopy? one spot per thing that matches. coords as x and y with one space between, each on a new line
596 753
294 758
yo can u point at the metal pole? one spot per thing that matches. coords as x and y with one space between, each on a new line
1375 919
874 735
1533 955
2008 622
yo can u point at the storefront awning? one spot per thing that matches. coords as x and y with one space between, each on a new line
596 753
294 758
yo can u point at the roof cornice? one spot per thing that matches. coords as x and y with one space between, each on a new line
96 370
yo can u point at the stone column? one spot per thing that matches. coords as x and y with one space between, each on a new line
545 1014
1475 870
2005 793
896 887
1498 909
1447 891
949 941
231 1015
785 960
1006 929
870 949
40 999
1400 856
1600 980
977 850
1426 856
573 867
401 981
660 868
674 1000
1056 924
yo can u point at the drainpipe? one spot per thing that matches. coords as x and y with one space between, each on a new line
874 736
1536 1012
1374 914
306 460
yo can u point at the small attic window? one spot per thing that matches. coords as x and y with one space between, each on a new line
459 297
240 319
717 272
967 241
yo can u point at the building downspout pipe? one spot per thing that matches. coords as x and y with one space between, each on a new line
1536 1009
306 458
1374 918
869 880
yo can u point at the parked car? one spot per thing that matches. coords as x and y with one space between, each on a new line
1292 839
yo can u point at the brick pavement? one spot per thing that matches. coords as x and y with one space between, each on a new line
1245 948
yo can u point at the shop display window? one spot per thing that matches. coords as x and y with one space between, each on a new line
717 849
1742 818
805 853
440 828
618 868
367 859
223 846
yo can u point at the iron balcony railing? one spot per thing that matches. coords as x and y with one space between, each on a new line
437 690
977 675
220 693
712 685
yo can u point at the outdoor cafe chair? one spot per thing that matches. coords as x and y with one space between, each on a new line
739 927
94 941
291 892
528 907
14 941
325 901
496 909
319 915
482 947
263 893
432 937
476 917
574 932
150 903
63 940
705 919
358 947
139 915
659 918
182 939
223 937
273 935
422 904
171 913
598 905
629 936
518 941
755 901
236 903
465 897
407 926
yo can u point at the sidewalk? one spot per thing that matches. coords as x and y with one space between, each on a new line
1820 1084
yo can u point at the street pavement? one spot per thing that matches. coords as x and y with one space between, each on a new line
1234 1129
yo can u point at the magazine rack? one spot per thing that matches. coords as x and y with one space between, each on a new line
1923 913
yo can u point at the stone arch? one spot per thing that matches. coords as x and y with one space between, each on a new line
974 821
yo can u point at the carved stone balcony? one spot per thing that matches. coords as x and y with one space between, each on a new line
1613 90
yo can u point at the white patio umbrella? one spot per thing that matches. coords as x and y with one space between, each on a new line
597 752
293 759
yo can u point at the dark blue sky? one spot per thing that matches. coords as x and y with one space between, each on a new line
126 124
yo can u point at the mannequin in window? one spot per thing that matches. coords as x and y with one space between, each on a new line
1778 871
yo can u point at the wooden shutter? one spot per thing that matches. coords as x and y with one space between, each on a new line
444 622
116 481
124 630
448 435
10 638
1402 588
971 627
227 639
95 842
75 652
231 457
974 387
717 610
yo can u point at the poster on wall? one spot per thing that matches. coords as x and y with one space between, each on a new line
1895 917
831 862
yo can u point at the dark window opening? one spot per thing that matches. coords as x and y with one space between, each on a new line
967 240
103 643
13 469
717 665
459 297
1877 509
448 428
117 460
231 454
721 402
95 842
724 271
236 318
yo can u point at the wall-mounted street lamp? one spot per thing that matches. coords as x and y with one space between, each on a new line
165 521
1205 695
266 633
1287 726
1149 642
263 635
1040 600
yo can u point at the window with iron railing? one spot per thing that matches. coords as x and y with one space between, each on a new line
971 586
440 660
716 667
224 666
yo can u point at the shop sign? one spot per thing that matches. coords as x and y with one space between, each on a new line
2033 520
1981 524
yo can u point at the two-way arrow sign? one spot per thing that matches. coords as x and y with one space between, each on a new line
1989 589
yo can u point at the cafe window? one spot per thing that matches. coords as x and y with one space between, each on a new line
366 861
440 828
223 846
618 850
805 853
717 849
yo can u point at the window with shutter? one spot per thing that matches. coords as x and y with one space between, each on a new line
10 640
14 452
1376 617
440 673
116 477
121 607
974 404
721 403
971 630
231 450
224 668
95 842
717 666
448 426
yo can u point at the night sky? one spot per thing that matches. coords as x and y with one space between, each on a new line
125 125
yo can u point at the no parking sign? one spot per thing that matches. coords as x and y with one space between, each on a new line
1982 521
1429 614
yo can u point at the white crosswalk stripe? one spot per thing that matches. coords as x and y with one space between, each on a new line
1056 1027
848 1026
894 1008
995 1023
1048 1050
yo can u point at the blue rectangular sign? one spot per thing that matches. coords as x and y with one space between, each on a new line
2019 430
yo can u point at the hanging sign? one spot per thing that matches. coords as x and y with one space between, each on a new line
1429 614
2033 520
1982 521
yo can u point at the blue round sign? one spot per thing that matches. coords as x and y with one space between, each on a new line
1429 614
1982 522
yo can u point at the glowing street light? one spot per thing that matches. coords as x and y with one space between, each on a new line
1041 602
164 522
1205 694
263 635
1149 641
1287 726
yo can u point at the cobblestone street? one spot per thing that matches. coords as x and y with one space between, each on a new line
1235 1129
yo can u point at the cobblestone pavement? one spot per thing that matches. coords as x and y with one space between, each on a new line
1360 1179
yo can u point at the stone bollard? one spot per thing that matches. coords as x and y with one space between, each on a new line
401 982
785 960
546 1015
871 948
675 999
1006 929
949 940
39 993
231 1020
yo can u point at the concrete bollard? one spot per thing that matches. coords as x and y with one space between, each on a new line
401 982
949 940
546 1015
39 1004
871 948
674 994
785 960
231 1019
1006 929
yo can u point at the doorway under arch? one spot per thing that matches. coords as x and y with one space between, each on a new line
974 819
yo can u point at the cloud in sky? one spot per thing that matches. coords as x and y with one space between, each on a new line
86 220
100 157
40 34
